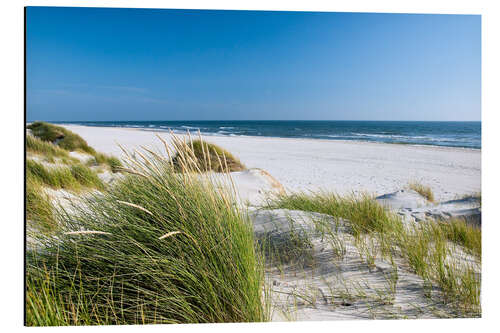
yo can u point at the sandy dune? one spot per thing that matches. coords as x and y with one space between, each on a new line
337 283
336 280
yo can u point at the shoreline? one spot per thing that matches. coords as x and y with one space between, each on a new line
156 130
343 167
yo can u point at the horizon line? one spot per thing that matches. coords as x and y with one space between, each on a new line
241 120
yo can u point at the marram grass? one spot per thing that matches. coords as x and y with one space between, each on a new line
427 248
113 162
364 214
62 137
73 177
47 149
86 176
205 156
464 234
56 177
159 247
423 190
53 140
39 209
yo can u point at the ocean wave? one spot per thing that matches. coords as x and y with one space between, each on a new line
376 135
339 136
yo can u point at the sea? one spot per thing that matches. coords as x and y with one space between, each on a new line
433 133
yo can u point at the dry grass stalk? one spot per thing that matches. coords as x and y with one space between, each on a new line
87 232
135 206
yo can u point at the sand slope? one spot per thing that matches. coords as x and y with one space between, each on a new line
340 285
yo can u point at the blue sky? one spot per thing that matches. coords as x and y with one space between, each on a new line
150 64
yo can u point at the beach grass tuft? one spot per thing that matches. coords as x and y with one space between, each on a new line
204 156
72 177
288 248
56 178
86 176
427 248
365 215
39 209
38 146
57 141
60 136
111 161
165 247
464 234
423 190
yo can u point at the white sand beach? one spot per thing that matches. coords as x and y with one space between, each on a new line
338 166
337 275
